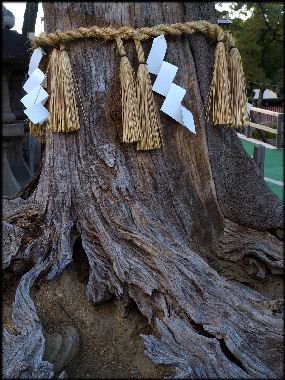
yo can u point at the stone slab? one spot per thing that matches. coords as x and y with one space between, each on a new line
13 129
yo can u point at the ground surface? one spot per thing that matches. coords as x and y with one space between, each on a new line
273 166
110 345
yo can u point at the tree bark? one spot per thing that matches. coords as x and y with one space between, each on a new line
176 230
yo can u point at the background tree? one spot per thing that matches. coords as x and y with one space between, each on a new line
30 17
188 232
260 39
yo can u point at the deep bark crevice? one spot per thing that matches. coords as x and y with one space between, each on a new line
28 189
229 354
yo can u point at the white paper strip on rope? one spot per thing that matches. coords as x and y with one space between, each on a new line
34 80
35 60
37 113
37 95
156 54
188 119
163 85
164 78
172 103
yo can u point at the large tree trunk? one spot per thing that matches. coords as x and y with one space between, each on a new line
30 18
179 230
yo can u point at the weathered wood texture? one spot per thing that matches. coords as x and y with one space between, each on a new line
156 226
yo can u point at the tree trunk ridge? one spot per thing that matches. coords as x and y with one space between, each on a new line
178 230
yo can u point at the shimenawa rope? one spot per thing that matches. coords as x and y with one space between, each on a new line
127 32
227 98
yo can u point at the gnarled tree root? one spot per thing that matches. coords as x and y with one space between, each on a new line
208 327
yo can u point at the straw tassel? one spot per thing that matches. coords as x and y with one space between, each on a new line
220 88
63 112
237 88
150 129
130 112
38 131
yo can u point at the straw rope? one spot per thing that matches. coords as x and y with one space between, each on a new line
226 97
139 49
126 32
150 128
238 88
219 97
130 108
63 115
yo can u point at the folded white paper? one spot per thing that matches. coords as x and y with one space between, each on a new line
35 60
188 119
37 95
37 113
156 54
34 80
164 78
172 103
163 84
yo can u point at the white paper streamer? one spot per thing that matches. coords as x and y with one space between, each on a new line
34 80
37 113
35 60
172 103
37 95
156 54
188 119
163 85
164 78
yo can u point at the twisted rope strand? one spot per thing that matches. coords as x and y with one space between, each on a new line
126 32
139 50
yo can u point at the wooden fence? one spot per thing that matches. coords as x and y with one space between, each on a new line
278 131
267 118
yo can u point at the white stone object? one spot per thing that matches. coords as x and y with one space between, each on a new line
248 107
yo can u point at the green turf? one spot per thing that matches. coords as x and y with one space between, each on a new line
278 190
273 166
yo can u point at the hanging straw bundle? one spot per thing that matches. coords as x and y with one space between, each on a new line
38 131
238 88
130 112
226 97
219 99
63 115
150 132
